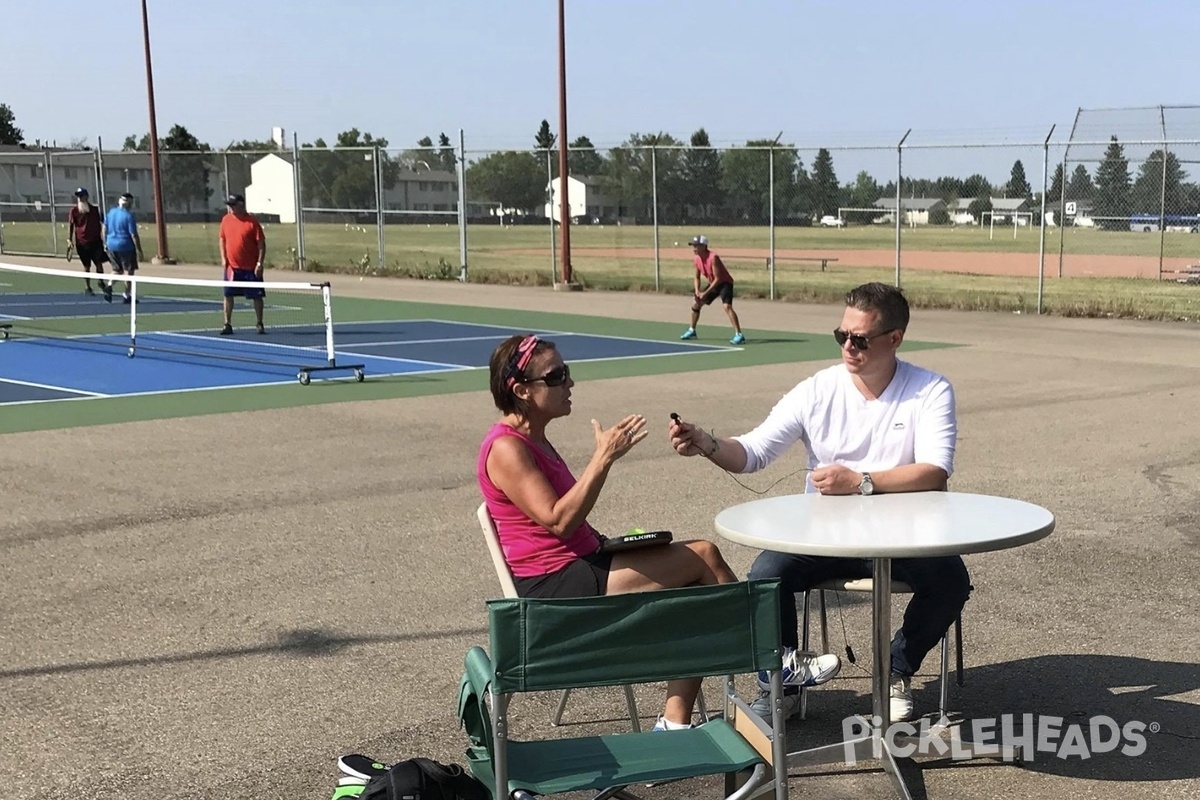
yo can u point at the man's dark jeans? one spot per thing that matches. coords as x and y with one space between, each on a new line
940 590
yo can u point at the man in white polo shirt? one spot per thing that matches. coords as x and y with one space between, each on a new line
871 424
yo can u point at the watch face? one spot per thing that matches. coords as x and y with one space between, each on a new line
867 486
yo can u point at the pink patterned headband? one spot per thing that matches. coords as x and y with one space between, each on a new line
524 354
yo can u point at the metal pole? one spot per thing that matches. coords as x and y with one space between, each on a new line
160 222
53 208
1042 240
899 180
1162 195
771 215
550 216
99 158
379 203
1062 237
462 205
654 214
297 193
225 167
563 172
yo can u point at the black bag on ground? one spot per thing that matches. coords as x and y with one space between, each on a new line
423 779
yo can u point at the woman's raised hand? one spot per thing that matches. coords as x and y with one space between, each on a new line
620 438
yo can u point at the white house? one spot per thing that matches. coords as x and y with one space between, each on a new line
272 188
916 209
585 197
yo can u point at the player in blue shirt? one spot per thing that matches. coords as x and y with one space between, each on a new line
121 239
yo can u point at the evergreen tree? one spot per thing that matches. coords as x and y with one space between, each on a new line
701 187
9 132
825 189
1113 188
1018 185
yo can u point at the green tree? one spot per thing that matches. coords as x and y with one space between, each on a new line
515 180
979 206
582 158
1080 187
133 144
445 154
186 168
976 186
343 175
547 153
9 132
1057 184
746 180
825 190
862 194
1149 188
1018 185
701 177
1113 188
628 179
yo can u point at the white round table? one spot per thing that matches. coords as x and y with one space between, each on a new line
882 527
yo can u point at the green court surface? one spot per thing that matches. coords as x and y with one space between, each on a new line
763 347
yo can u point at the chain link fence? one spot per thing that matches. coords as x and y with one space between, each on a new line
1115 199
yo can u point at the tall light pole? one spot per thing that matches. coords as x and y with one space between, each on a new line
564 212
163 256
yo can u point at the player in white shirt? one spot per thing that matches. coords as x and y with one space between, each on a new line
871 424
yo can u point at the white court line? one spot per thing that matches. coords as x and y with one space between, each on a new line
53 387
428 341
261 385
312 351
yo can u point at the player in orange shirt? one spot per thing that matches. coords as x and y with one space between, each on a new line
243 246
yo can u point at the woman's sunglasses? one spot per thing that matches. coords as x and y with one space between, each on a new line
857 340
555 377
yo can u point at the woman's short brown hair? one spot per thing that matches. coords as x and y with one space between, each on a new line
504 372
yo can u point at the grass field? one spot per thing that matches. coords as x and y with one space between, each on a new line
622 258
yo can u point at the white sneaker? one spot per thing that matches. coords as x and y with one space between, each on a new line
804 669
662 725
762 705
902 700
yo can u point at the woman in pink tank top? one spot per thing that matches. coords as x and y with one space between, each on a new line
540 508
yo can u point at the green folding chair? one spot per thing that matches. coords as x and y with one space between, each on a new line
554 644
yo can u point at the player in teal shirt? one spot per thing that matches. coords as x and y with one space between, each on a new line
121 239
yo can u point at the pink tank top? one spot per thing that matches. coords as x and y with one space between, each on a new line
530 549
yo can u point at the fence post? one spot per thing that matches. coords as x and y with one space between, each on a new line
299 200
1162 194
550 216
53 209
1042 240
98 157
225 167
462 206
771 214
654 214
378 156
899 181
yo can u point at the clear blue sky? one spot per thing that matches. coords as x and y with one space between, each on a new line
823 73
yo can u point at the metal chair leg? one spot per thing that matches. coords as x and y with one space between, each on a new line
804 647
958 642
562 706
944 681
633 712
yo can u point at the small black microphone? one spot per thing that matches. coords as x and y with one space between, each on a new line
676 419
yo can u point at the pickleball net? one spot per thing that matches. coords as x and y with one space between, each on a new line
178 318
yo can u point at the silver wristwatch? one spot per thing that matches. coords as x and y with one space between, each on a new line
866 486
